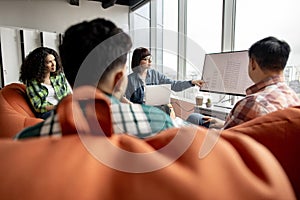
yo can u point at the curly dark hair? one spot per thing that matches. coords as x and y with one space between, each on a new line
105 45
33 67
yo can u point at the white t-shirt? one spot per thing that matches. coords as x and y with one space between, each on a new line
51 94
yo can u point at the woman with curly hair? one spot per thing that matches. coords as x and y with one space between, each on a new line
45 81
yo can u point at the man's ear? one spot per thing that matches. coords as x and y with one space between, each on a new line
118 76
254 64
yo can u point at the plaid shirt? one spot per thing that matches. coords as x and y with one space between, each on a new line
264 97
139 120
38 93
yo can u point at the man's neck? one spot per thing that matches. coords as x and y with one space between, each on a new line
268 74
105 91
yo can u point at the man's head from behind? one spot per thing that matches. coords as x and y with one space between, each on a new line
92 50
270 53
267 58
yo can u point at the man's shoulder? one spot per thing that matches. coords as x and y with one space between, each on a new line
249 99
139 120
245 105
152 109
148 110
135 106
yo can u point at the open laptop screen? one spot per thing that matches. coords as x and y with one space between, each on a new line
156 95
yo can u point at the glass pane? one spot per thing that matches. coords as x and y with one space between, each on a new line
140 20
271 18
170 39
204 35
139 29
144 10
204 23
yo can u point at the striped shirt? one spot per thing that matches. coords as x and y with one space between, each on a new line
138 120
267 96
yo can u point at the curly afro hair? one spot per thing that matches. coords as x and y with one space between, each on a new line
33 67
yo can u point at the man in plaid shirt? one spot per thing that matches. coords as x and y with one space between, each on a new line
267 60
94 56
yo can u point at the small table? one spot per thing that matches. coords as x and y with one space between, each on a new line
219 112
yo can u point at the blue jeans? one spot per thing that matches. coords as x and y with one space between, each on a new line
196 118
44 115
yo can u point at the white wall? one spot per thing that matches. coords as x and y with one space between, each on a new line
57 15
11 55
48 16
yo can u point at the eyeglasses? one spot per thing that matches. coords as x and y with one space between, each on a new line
148 58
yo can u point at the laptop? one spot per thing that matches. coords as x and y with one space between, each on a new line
156 95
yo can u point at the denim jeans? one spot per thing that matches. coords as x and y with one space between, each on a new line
44 115
197 118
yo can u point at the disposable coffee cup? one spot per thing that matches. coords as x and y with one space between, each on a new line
199 100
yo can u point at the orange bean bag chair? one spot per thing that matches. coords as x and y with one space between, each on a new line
280 133
178 163
72 167
16 112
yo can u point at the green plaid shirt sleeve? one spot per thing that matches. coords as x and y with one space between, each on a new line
60 85
37 95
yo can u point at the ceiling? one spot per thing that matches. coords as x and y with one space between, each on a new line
108 3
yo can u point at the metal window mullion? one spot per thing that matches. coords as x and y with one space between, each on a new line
182 32
228 25
153 22
156 34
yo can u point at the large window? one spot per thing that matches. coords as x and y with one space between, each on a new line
272 18
170 38
204 24
140 23
192 28
204 35
139 28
